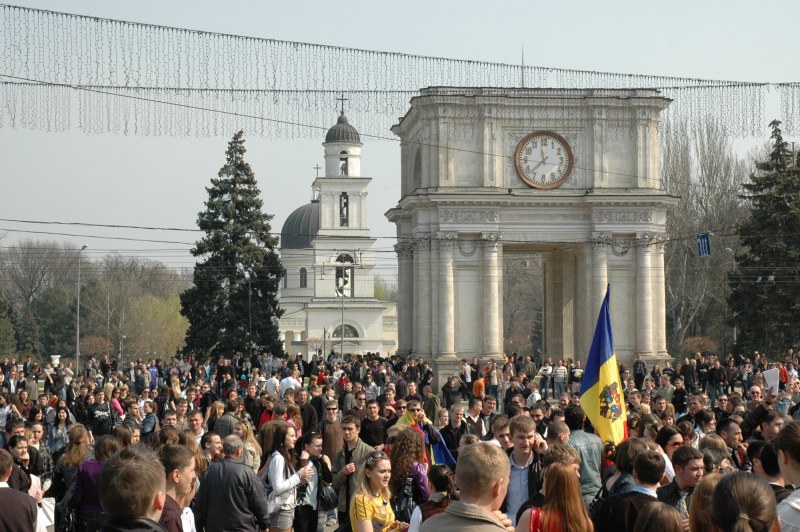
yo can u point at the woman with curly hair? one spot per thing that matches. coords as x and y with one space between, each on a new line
408 464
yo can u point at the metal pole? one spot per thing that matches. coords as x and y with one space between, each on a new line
78 319
342 327
250 315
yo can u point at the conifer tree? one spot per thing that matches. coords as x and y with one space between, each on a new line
239 274
765 287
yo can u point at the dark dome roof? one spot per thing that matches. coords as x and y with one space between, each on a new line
342 132
301 227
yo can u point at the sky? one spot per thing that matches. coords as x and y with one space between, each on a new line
160 181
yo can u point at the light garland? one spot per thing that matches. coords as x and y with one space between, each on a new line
103 75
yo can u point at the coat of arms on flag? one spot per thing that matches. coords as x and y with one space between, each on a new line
610 402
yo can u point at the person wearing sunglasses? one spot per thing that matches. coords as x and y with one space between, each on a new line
370 510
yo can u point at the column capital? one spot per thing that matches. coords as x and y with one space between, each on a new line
642 241
446 240
422 243
404 250
600 240
491 241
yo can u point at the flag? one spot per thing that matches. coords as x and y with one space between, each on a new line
601 389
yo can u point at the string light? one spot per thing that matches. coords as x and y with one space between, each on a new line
256 77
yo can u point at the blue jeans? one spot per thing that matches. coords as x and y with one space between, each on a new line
544 387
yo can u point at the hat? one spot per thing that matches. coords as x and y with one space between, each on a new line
262 379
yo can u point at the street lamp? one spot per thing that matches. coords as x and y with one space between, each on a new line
78 318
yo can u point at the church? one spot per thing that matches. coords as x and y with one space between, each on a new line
328 293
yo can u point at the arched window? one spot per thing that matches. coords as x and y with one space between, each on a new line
285 280
303 278
349 332
343 163
344 276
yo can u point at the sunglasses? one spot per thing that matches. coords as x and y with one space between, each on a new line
374 456
401 407
415 410
331 409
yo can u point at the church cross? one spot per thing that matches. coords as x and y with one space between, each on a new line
342 99
318 168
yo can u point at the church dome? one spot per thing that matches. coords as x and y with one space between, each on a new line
342 131
301 227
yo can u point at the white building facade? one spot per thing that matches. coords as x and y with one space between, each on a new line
572 175
328 293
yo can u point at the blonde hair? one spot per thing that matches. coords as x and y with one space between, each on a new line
481 465
363 483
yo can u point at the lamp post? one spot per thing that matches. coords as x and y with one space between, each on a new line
78 318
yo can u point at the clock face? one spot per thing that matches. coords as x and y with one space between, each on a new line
543 160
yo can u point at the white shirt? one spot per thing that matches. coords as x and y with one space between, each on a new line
290 382
273 387
187 520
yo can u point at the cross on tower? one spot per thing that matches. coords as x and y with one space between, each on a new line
343 99
318 168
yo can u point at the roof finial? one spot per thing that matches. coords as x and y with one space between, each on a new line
343 99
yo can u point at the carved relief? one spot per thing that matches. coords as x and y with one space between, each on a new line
618 217
467 247
468 216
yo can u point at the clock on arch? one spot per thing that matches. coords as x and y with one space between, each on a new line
543 160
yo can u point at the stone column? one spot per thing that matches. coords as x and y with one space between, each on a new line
659 298
644 294
447 296
405 297
422 295
601 242
491 295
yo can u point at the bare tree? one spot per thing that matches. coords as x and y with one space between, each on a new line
700 167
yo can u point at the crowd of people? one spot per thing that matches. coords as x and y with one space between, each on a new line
368 444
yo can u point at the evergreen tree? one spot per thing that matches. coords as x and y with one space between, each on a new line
237 246
8 338
765 287
27 329
56 318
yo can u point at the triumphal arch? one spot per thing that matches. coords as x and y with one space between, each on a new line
572 175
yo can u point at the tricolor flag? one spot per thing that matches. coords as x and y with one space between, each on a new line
601 389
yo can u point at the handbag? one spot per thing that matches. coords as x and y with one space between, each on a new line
403 503
328 498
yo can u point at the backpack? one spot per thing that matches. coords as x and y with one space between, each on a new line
403 503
